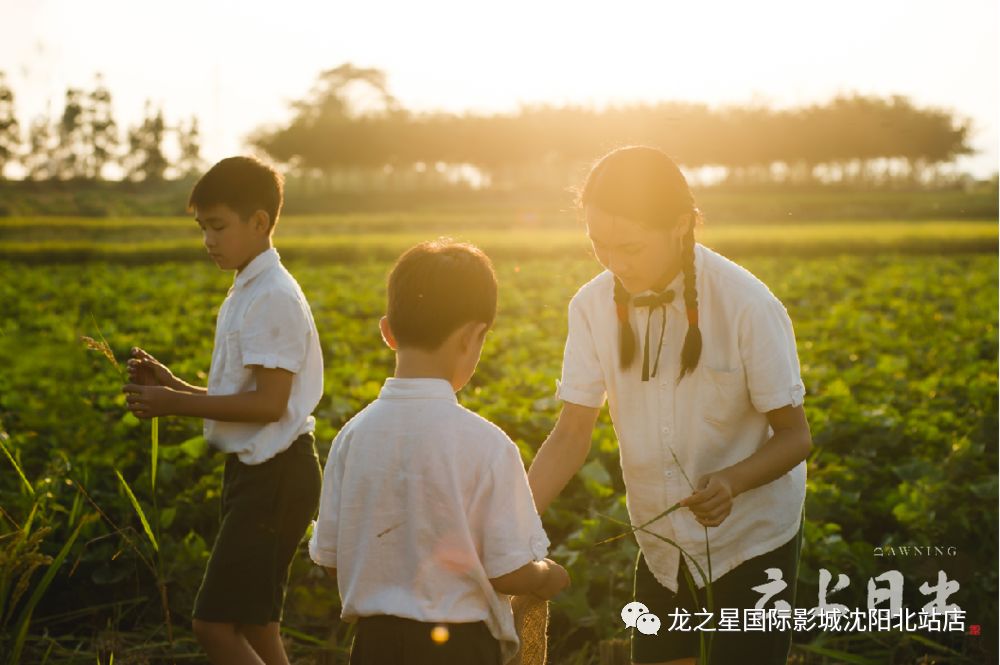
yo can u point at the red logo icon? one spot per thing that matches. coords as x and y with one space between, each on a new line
974 629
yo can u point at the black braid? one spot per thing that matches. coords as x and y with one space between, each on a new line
626 336
691 351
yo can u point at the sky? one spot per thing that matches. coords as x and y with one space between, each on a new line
238 65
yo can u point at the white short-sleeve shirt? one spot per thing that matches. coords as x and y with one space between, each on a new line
265 320
423 502
714 418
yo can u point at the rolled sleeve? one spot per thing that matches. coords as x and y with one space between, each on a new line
275 332
767 346
582 379
510 530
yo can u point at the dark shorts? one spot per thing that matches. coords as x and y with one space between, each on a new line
387 639
265 511
732 590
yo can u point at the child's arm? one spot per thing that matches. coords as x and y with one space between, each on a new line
543 578
791 443
562 454
265 404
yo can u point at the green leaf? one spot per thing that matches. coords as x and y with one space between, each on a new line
138 510
595 472
155 436
167 516
195 447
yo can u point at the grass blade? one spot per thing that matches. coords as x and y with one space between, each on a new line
155 436
138 510
17 467
24 619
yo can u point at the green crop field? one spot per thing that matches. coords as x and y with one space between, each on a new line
897 335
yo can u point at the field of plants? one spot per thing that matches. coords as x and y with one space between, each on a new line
99 558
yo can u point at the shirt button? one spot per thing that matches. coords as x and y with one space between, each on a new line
666 430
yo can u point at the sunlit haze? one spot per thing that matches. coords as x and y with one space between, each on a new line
237 65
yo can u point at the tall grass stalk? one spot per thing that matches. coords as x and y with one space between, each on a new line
104 348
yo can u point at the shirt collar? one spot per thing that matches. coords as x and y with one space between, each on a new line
677 284
260 264
428 388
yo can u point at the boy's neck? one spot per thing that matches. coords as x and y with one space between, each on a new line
419 364
254 256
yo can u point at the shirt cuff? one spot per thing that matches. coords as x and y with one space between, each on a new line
323 557
272 360
538 548
793 396
593 400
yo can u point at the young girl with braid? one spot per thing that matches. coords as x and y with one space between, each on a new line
697 360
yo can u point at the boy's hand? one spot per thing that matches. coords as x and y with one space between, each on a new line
145 370
556 580
713 500
149 401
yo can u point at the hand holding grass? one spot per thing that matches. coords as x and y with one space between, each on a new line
150 401
712 501
145 370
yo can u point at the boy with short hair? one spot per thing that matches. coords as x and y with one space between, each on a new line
266 378
426 518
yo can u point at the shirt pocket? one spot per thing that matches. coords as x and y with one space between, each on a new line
723 396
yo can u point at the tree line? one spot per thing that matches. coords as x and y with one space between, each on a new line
350 129
850 138
85 143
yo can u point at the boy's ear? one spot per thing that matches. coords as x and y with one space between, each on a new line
387 336
260 220
473 333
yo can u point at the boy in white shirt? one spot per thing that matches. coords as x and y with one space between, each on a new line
426 519
265 380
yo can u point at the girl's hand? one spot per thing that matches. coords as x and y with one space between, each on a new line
713 500
149 401
145 370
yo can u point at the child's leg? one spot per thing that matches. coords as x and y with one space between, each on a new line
734 589
266 641
224 644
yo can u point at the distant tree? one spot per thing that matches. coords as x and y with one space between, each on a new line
101 131
341 123
40 161
145 159
71 157
189 140
10 131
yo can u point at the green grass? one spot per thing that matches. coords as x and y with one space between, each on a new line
383 237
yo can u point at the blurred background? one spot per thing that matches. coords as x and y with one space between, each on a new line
846 154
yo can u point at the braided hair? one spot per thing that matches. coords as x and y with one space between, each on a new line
644 184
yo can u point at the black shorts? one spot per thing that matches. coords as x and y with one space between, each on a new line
265 511
732 590
385 639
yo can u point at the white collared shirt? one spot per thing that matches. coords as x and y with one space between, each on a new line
423 503
712 419
265 320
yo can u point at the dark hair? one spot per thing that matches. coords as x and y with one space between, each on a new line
244 184
644 184
436 287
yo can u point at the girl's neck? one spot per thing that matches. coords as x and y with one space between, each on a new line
668 276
